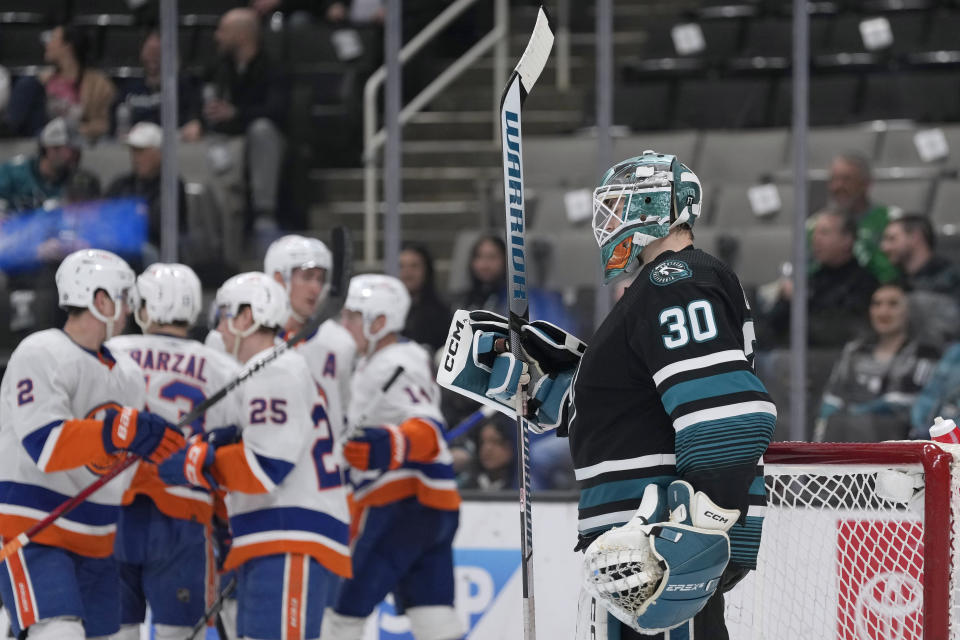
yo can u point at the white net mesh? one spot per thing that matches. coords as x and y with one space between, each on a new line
840 560
619 568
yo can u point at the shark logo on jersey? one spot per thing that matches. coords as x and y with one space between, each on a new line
670 271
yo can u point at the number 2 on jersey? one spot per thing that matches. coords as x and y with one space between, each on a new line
328 473
696 320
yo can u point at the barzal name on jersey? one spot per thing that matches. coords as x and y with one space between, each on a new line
666 389
50 392
285 493
180 374
414 394
330 353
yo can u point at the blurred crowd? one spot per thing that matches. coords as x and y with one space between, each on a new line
883 304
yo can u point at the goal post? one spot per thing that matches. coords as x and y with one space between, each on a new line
858 544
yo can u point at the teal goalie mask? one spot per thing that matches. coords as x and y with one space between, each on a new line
639 200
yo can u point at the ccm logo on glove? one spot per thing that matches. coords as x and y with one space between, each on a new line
453 346
716 516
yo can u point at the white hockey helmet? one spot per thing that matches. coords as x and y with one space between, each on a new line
267 299
170 292
84 272
377 295
298 252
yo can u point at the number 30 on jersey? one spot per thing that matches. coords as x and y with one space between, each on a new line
696 321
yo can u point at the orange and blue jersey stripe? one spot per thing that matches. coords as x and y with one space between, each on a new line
87 530
290 530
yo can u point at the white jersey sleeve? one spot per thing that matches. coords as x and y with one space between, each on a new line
414 393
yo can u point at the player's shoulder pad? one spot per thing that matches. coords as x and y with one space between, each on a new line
120 344
219 359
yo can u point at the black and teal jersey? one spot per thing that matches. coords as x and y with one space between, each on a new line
666 389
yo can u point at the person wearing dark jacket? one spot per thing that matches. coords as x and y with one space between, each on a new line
245 94
429 316
143 181
838 290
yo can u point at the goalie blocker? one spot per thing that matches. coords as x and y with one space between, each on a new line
477 363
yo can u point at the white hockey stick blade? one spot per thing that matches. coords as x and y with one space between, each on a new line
534 57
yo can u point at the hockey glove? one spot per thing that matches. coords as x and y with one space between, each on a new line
190 465
557 354
376 448
140 432
653 574
221 436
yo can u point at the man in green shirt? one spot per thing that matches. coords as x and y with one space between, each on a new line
848 188
27 182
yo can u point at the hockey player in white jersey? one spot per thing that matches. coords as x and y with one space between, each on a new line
286 501
405 499
303 266
69 411
163 544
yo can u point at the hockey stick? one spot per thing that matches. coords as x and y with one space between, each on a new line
469 423
343 263
214 609
519 85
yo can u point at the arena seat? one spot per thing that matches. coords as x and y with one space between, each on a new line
731 209
718 103
927 96
913 196
826 142
833 100
741 156
943 212
556 161
682 144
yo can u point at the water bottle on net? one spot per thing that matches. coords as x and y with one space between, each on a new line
945 431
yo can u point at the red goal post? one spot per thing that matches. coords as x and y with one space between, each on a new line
843 559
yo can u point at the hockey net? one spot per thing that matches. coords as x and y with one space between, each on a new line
858 544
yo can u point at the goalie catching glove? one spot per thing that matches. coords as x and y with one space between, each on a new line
660 569
477 363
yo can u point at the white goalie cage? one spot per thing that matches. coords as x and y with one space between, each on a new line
840 560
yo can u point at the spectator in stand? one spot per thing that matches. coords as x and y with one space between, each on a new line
909 242
488 286
71 90
838 289
429 316
873 385
495 465
849 191
30 182
940 396
246 95
145 141
139 99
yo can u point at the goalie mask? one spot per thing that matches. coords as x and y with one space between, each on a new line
638 201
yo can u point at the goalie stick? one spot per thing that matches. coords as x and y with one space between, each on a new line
518 87
343 263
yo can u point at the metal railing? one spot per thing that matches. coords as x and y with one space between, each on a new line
374 137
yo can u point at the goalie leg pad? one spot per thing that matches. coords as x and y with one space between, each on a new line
593 621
